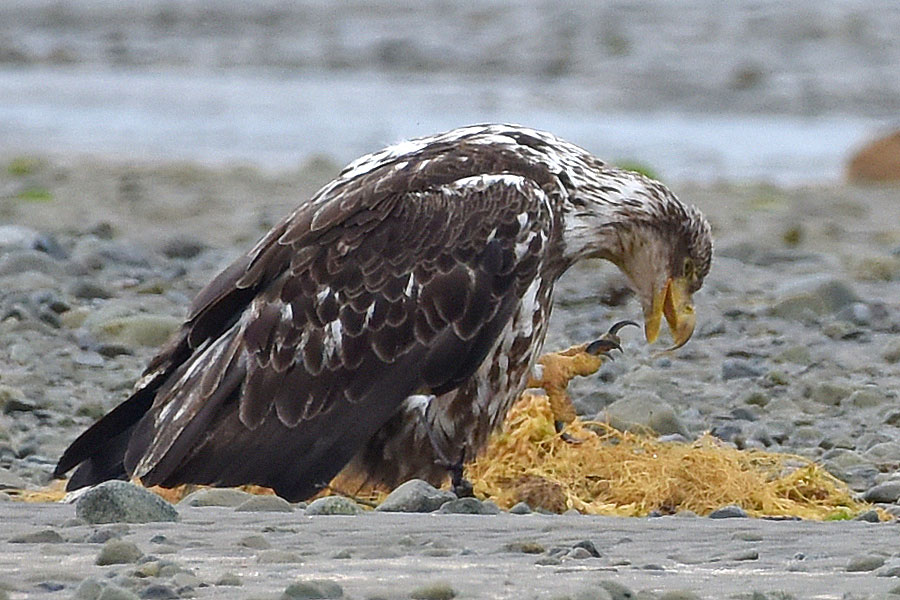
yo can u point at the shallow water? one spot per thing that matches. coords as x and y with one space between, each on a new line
696 89
277 120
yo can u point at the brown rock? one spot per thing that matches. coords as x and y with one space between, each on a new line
877 161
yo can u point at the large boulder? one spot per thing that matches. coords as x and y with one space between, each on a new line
877 161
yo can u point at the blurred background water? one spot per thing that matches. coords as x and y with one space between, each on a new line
698 90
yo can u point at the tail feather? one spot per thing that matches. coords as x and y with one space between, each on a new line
101 449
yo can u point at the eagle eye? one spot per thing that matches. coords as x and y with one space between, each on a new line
688 271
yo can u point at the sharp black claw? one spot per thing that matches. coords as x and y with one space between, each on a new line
619 325
602 346
610 340
566 437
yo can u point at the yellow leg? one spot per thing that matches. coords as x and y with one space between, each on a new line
558 368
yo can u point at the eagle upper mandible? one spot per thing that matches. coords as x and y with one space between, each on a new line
425 268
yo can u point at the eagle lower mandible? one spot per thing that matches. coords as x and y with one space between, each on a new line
422 270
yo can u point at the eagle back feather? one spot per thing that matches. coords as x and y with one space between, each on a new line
388 282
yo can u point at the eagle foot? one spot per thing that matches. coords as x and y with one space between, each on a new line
565 436
461 486
558 368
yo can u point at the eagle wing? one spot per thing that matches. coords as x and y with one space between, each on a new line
295 355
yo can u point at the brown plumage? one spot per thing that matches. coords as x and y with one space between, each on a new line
423 269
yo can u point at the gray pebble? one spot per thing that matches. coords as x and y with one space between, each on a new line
744 555
870 516
88 589
890 569
728 512
333 505
579 554
159 591
45 536
868 562
229 579
816 295
737 368
115 552
891 351
257 542
588 546
469 506
276 556
867 397
588 593
120 501
216 497
520 508
679 595
642 410
435 591
265 504
105 534
415 495
886 492
616 590
114 592
308 590
525 547
548 561
828 392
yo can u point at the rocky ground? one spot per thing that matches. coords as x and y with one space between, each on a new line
797 350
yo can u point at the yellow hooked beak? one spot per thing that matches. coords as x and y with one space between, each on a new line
673 301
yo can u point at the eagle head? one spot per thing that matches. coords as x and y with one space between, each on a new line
663 246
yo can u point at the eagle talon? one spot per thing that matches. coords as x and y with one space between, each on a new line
609 341
565 436
461 486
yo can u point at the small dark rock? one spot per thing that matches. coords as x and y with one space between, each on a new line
589 546
469 506
870 516
159 591
728 512
520 508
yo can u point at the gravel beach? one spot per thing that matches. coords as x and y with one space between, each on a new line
797 350
144 144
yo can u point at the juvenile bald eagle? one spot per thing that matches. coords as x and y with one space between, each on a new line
422 270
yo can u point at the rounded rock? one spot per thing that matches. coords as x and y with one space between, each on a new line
333 505
416 496
313 589
117 552
123 502
887 492
265 504
731 511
